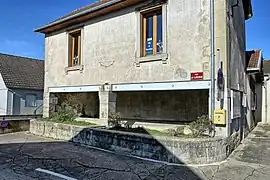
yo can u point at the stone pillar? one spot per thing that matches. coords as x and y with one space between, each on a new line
107 103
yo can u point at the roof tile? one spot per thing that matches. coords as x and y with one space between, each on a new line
252 58
22 72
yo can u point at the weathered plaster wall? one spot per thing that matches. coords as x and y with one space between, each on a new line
109 48
111 41
159 105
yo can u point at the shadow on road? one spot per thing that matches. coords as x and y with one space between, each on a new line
21 154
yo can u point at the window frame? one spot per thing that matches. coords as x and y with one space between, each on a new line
26 104
71 47
163 56
152 12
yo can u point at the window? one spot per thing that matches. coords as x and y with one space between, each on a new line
152 33
236 104
75 48
253 100
30 100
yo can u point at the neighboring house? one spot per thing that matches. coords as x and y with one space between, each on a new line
254 87
148 60
266 92
21 85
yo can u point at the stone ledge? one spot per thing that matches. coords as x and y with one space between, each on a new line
168 149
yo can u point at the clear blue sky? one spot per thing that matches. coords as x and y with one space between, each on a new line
20 17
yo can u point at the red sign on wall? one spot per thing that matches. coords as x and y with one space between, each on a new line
196 76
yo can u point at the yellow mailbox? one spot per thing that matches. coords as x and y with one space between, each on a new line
220 116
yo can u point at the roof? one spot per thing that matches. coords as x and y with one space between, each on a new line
95 4
99 8
22 72
102 7
266 66
254 59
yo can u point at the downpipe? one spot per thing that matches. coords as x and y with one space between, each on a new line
212 131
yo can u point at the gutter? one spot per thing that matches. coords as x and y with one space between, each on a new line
253 69
78 14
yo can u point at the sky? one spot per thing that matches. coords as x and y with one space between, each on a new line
258 27
19 18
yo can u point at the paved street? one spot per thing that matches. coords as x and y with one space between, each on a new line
25 157
251 160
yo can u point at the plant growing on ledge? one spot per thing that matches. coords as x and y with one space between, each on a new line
64 113
200 126
114 119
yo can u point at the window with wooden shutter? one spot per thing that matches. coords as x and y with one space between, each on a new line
75 48
152 33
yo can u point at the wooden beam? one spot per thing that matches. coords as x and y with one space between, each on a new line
72 50
144 38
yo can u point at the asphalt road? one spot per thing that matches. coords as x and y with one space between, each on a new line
25 157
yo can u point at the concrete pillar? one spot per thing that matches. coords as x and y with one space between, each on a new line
46 104
107 103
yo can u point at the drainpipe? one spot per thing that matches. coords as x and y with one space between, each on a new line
212 60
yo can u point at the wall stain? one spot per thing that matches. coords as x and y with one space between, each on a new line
181 73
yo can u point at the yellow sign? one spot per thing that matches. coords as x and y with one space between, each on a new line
220 116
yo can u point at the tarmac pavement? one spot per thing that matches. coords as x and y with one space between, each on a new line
25 157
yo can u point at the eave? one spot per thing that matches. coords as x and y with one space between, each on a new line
101 10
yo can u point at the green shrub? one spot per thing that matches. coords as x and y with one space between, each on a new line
64 113
178 132
200 126
114 119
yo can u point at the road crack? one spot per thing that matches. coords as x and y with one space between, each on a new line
251 174
212 177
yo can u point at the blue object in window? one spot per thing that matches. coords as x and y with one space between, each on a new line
149 46
149 35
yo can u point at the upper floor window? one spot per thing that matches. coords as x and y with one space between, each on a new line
74 48
152 35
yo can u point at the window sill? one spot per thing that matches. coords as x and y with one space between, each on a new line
74 68
159 57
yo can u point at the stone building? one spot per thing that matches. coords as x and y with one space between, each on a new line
148 60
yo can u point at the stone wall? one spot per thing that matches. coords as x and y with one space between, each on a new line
168 149
165 106
54 130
